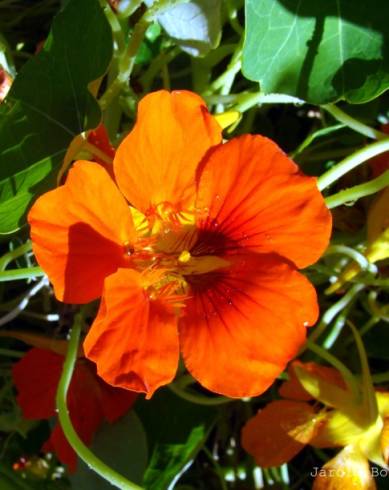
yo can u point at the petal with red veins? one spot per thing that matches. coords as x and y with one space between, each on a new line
254 195
242 324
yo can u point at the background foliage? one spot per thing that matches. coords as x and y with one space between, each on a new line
282 64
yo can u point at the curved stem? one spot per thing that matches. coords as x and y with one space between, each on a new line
126 63
11 315
14 254
359 258
369 398
198 399
246 101
352 123
351 162
336 329
331 313
381 377
11 353
354 193
63 414
24 273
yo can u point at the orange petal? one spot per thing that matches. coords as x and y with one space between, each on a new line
349 470
267 436
294 390
133 339
255 196
157 161
242 325
78 231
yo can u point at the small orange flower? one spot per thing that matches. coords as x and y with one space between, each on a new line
90 400
279 431
195 247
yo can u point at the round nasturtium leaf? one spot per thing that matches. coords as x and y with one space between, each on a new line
320 51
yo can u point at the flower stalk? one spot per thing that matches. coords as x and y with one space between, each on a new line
63 414
352 161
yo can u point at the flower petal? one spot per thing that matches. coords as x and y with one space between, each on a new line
134 339
348 470
294 390
58 444
267 437
115 402
172 133
247 321
36 378
78 231
259 200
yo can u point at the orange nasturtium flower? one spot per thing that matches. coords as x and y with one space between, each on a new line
278 432
195 247
90 400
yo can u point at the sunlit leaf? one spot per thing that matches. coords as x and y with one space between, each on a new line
168 460
174 436
48 104
194 26
320 51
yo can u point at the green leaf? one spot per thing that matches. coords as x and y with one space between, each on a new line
9 480
48 105
175 435
320 51
320 133
168 460
122 446
194 25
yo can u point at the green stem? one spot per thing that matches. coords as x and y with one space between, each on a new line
331 313
127 59
156 66
374 307
14 254
381 377
126 62
351 162
17 274
336 329
352 123
218 469
369 397
249 100
11 353
117 31
354 193
227 77
198 399
63 414
359 258
368 325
